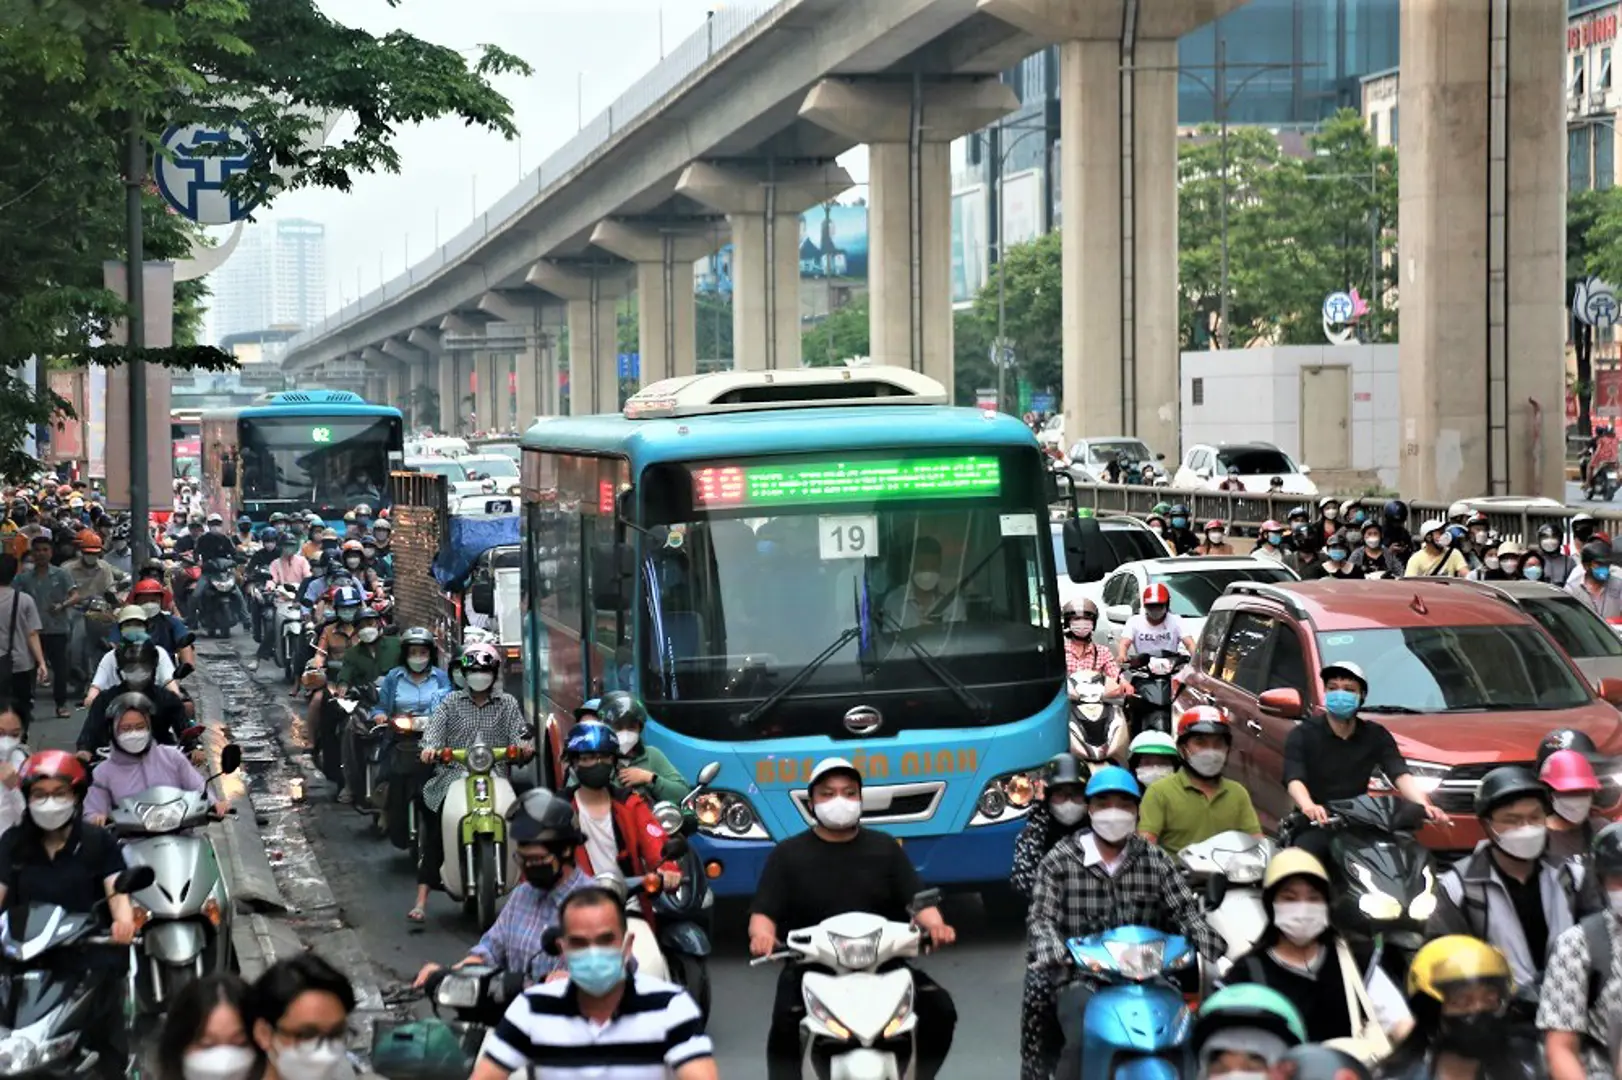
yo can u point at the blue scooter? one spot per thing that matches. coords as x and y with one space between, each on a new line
1137 1025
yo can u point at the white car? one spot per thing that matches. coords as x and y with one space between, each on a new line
498 467
1051 437
1194 583
1205 466
1127 540
1088 457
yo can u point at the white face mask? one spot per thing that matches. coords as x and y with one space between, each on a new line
480 681
1574 808
1114 826
151 610
9 745
839 813
1615 897
1067 813
1549 544
1526 842
1215 536
1208 763
1148 774
1301 922
133 742
926 580
312 1059
217 1063
54 813
369 634
628 740
1491 561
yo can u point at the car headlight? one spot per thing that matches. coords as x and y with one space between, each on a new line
898 1019
728 816
1138 961
1428 775
1015 791
458 992
164 817
856 952
1424 904
481 759
823 1015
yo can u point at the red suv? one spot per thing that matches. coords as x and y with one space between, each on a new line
1463 678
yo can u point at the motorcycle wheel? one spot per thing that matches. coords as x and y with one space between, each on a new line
484 877
380 804
692 974
396 821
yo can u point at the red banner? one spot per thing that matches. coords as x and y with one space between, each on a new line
1571 407
1607 400
67 436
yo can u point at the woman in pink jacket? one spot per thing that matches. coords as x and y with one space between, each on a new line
136 763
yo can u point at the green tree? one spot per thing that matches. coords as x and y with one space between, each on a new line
1587 253
1032 312
838 337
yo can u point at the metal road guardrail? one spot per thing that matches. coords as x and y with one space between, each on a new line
645 97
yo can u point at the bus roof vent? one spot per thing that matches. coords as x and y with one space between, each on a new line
791 388
317 397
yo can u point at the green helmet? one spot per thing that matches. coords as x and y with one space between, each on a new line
1161 507
1250 1005
1153 744
1086 512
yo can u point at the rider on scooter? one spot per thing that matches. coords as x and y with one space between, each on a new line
372 656
642 768
618 825
136 664
336 638
1199 802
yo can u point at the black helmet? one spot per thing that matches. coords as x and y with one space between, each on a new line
1506 784
137 653
1065 769
422 637
1608 849
619 709
539 816
1596 551
1297 512
126 701
1565 739
1395 510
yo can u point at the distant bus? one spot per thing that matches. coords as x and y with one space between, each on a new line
185 440
303 450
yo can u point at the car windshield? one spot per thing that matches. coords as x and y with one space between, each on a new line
1128 543
1579 631
1253 461
1100 453
451 470
320 461
893 598
502 468
1194 591
1431 669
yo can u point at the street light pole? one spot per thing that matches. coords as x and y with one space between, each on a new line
1002 250
135 335
1373 178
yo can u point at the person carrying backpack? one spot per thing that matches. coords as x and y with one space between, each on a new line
1580 1008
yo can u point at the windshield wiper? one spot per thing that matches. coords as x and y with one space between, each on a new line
800 678
1400 710
978 708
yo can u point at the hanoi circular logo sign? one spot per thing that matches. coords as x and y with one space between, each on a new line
196 167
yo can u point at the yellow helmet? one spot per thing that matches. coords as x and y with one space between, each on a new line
1291 862
1456 958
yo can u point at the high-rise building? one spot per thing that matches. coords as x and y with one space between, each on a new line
275 280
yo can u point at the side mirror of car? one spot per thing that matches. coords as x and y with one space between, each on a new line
1118 613
1611 691
1305 469
1284 702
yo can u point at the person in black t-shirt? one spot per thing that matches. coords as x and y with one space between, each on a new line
834 868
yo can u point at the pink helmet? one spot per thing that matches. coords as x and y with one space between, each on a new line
1568 772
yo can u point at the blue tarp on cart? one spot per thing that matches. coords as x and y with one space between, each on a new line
466 540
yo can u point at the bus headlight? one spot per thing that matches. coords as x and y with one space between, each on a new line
727 816
1007 798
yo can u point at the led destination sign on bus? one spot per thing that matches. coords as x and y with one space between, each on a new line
724 486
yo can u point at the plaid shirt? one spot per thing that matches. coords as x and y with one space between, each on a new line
513 942
1073 899
457 722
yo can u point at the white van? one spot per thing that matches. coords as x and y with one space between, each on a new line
436 446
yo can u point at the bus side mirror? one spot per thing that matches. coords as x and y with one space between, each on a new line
228 474
611 574
1075 553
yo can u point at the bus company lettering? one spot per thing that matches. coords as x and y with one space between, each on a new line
913 763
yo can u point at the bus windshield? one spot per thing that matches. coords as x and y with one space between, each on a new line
931 606
322 462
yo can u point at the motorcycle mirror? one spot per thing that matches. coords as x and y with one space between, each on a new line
230 759
134 879
193 732
927 899
1611 691
707 775
552 941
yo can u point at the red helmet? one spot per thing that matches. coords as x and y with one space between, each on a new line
147 587
1156 594
1203 720
1214 523
53 765
1568 772
1271 526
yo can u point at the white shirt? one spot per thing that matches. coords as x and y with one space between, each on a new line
107 671
601 846
1145 637
1092 856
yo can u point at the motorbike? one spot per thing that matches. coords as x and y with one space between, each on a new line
260 603
1098 728
479 864
285 625
685 915
47 999
219 584
394 793
434 1047
1602 482
368 741
859 1020
1138 1023
1229 867
185 915
1150 674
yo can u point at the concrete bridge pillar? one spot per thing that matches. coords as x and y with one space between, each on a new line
449 388
484 390
763 206
1481 254
667 321
909 129
590 292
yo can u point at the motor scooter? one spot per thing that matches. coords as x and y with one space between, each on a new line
685 915
441 1047
286 628
1099 732
1149 708
480 866
1229 867
395 795
185 915
859 1021
219 585
1602 482
1138 1022
260 607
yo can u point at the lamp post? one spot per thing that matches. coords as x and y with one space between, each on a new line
1373 178
1001 247
135 334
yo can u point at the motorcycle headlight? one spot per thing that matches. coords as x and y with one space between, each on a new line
1092 710
481 759
1138 961
1245 867
856 952
824 1016
668 817
457 992
18 1055
1376 904
404 724
164 817
1424 904
899 1018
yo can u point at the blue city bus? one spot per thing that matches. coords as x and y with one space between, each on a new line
301 450
790 565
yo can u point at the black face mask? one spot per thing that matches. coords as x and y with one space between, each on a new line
1480 1036
594 776
542 875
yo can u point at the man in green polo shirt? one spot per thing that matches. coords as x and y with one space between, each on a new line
372 655
1196 802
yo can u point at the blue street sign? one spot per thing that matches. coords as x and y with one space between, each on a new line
630 366
193 181
1042 403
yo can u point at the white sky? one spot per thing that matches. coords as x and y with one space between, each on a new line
451 172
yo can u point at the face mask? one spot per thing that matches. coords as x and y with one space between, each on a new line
54 813
417 663
628 740
1330 513
596 776
542 875
151 611
1444 540
839 813
1359 517
134 634
137 676
1526 842
369 634
926 580
1491 562
1208 763
1548 543
1337 554
1157 530
1067 813
289 550
1509 566
1155 613
1478 535
1148 774
1342 704
9 745
1301 922
1275 538
480 681
1574 808
1081 629
1179 523
312 1059
1480 1036
133 742
596 969
217 1063
1114 826
1215 536
1533 573
1372 543
1601 573
353 562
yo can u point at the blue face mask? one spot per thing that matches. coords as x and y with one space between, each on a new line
596 969
1179 523
1275 538
1533 573
1601 572
1342 704
135 634
1359 517
1336 554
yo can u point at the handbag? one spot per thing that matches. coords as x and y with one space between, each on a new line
1368 1042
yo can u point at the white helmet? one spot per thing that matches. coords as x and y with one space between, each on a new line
1430 526
1460 509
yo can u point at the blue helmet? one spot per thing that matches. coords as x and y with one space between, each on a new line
269 536
588 708
347 596
591 737
1112 779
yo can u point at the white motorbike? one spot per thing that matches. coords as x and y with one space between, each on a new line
650 959
1099 732
185 914
1230 867
858 1008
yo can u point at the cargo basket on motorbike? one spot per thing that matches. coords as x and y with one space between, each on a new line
424 1049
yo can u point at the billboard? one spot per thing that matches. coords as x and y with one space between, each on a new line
833 244
1022 207
968 243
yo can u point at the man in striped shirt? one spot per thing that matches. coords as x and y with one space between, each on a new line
602 1021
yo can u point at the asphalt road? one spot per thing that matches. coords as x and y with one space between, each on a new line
373 887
